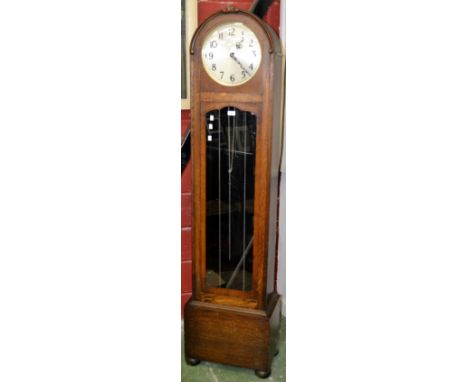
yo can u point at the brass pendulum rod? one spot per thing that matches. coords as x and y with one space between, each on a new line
219 198
244 197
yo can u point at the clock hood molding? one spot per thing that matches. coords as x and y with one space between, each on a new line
269 33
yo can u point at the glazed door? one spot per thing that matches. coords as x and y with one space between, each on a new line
230 187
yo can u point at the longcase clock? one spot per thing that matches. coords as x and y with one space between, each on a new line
233 316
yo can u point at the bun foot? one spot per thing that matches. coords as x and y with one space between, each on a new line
262 373
193 361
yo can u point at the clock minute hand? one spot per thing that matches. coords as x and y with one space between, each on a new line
233 56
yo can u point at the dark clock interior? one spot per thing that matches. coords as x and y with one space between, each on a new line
230 179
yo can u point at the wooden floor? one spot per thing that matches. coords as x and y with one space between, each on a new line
211 372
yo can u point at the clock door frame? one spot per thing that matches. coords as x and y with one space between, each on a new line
250 298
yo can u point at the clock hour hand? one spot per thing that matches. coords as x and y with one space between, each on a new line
233 56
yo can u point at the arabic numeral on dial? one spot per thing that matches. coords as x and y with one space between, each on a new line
213 44
222 75
251 66
210 55
221 36
232 31
243 74
232 78
213 67
251 44
254 53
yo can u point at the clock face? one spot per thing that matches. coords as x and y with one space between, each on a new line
231 54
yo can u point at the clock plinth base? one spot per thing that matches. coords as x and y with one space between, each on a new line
231 335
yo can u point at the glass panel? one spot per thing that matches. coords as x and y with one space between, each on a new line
230 179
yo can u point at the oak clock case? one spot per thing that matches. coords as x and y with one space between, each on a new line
233 316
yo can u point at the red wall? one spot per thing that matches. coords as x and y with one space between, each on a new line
186 234
205 8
